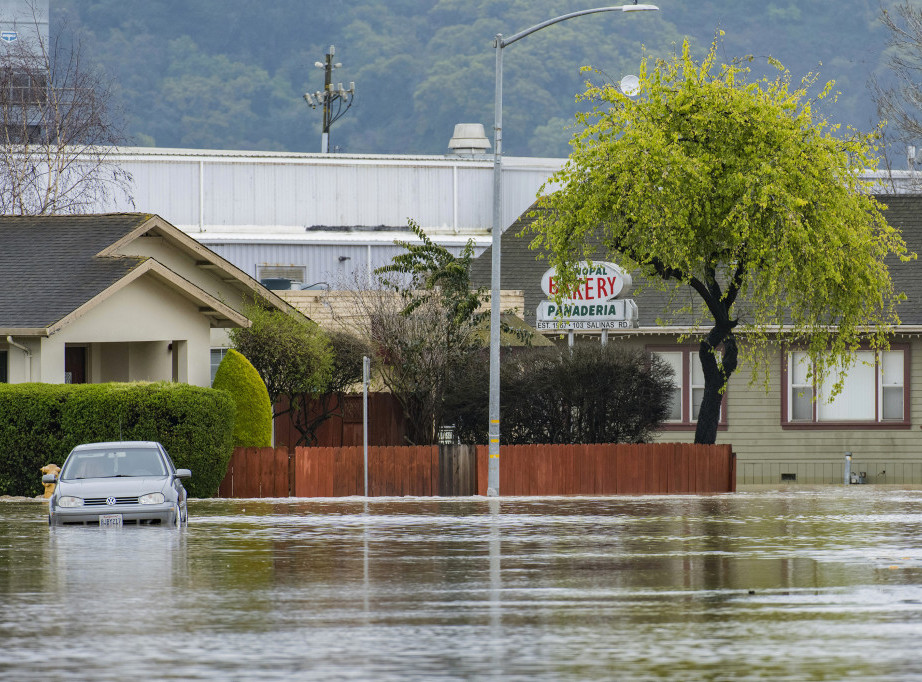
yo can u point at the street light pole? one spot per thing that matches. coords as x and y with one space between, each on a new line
499 43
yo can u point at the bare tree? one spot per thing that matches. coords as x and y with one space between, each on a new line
417 359
899 102
58 136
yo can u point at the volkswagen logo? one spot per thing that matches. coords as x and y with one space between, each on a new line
110 501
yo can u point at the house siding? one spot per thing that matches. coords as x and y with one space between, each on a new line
765 450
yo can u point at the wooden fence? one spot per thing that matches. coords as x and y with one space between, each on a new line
458 470
257 472
386 423
448 471
611 469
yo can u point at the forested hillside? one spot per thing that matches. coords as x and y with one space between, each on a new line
231 73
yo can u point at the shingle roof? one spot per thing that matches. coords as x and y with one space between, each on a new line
904 212
521 269
49 268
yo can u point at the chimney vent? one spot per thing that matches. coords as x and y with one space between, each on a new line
469 139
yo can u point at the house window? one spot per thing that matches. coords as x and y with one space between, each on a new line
675 360
217 354
688 380
874 391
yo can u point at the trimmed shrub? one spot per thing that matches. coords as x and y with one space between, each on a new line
253 425
41 423
592 394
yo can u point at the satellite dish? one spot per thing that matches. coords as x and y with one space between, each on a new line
630 85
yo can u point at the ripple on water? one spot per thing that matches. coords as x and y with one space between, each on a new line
772 585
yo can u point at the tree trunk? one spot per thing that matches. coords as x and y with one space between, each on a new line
715 378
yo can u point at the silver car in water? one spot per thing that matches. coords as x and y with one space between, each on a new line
116 484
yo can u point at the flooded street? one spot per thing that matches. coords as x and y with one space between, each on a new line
801 584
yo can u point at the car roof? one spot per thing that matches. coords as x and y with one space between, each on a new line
119 444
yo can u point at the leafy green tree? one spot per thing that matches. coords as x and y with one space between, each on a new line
429 272
253 423
737 189
213 98
348 353
257 60
293 356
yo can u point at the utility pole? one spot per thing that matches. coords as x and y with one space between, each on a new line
330 97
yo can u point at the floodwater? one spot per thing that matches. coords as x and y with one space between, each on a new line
792 584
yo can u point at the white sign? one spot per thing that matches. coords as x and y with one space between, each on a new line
596 282
596 303
624 309
9 36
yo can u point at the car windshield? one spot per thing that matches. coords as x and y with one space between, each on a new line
112 463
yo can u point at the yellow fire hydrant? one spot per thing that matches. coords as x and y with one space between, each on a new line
50 469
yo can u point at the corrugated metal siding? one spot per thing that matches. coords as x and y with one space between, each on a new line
322 261
229 192
169 189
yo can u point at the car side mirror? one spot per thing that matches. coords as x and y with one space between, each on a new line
183 473
49 478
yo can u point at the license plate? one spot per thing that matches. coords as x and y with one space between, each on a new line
110 520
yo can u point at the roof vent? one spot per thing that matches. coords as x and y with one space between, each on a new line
469 139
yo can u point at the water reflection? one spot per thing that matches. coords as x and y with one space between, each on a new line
761 585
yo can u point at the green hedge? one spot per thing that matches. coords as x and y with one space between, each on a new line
253 425
41 423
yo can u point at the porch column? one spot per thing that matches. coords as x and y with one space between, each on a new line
181 361
50 361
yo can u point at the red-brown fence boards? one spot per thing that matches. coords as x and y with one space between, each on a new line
455 471
607 469
344 427
611 469
257 472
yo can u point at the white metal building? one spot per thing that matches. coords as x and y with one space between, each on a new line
324 217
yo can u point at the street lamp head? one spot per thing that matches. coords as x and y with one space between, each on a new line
630 85
319 65
639 8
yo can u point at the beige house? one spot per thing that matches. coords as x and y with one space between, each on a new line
114 297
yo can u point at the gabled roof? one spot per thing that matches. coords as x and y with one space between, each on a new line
204 258
49 268
522 268
53 268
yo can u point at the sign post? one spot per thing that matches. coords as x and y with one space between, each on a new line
366 378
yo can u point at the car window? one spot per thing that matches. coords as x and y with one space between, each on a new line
109 463
169 459
140 462
88 464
